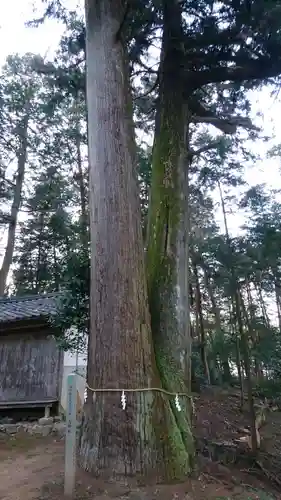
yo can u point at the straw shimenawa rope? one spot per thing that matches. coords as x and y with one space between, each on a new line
142 389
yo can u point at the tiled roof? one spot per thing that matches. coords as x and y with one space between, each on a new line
27 307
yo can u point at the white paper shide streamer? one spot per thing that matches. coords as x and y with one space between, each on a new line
123 400
177 403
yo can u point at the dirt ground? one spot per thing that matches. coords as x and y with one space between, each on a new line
218 418
31 468
26 464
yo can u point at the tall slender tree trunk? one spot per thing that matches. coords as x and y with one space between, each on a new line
84 219
168 227
236 310
233 326
213 362
240 306
254 334
185 282
56 266
216 313
144 438
234 286
199 313
278 305
84 211
259 291
238 302
39 253
21 163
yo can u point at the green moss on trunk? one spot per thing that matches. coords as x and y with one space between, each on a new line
163 236
172 380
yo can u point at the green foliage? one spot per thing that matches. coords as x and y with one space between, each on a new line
52 239
144 177
233 42
73 318
45 237
268 388
51 255
21 94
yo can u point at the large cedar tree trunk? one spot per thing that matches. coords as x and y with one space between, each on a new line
143 439
167 256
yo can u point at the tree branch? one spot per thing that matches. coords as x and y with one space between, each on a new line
149 91
226 37
257 69
4 180
123 21
227 125
205 148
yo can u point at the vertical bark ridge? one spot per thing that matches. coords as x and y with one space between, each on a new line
144 439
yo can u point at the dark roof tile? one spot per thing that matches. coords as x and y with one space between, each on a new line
27 307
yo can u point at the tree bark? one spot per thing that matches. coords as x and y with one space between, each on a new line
278 306
21 158
39 254
84 218
240 306
258 288
235 305
168 225
254 333
233 325
185 282
144 438
199 313
216 312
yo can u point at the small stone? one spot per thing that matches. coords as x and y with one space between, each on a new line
40 430
59 428
46 430
45 421
33 429
25 426
9 428
7 420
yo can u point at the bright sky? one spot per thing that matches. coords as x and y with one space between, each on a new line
16 37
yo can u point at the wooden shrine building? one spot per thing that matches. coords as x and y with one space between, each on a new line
31 363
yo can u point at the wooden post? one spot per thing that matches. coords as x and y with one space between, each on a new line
47 411
70 437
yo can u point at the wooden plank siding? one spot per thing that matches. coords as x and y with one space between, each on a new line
31 366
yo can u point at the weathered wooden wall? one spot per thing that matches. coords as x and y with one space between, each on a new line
30 368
